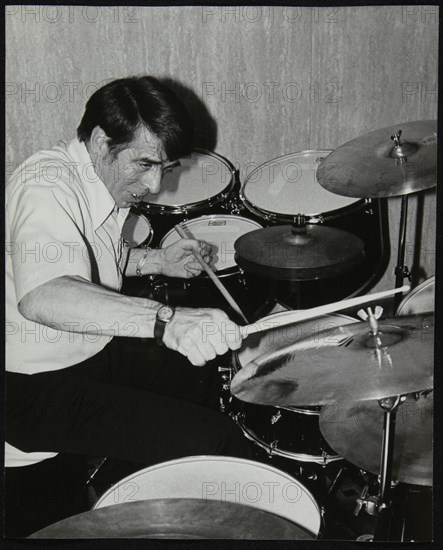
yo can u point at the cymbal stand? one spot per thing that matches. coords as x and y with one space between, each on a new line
380 505
399 153
401 270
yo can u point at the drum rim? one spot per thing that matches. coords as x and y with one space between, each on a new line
300 457
196 206
216 458
134 211
414 292
233 270
318 217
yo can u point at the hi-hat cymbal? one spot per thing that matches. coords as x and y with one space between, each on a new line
175 518
354 365
294 253
370 166
355 430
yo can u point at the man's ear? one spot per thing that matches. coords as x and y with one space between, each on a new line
98 142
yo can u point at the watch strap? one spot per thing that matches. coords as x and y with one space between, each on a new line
159 328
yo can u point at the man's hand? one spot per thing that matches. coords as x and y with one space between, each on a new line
177 260
201 334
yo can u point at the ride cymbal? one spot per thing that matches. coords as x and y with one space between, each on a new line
355 430
352 365
296 253
374 165
175 518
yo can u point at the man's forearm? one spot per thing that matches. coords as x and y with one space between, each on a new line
147 258
77 305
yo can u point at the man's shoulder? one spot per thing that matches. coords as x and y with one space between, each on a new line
53 168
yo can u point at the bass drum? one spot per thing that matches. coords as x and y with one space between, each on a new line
288 432
202 183
250 292
221 478
420 300
280 190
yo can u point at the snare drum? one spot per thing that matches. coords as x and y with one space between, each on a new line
222 230
277 191
199 184
221 478
137 231
288 432
419 300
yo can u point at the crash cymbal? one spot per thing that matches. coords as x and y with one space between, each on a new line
353 365
370 166
175 518
355 430
294 253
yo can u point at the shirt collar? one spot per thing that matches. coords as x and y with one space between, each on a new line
100 200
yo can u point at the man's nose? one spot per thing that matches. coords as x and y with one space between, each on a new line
152 183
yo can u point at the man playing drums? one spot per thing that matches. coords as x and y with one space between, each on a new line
71 386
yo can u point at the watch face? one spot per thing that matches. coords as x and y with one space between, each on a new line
165 313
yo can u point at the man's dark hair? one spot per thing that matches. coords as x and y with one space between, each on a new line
123 105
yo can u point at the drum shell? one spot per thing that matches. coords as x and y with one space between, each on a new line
364 218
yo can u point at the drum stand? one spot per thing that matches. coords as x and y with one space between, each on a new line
380 505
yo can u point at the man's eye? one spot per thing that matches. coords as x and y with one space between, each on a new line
145 165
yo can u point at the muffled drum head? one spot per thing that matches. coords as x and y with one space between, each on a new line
136 230
219 230
197 178
288 185
420 300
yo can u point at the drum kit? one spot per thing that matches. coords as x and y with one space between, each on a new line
312 387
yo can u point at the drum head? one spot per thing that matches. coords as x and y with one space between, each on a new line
220 230
198 178
419 300
288 186
221 478
277 337
136 230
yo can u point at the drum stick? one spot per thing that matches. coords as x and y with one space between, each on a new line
298 316
213 277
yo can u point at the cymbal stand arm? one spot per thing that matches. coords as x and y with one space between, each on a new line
401 270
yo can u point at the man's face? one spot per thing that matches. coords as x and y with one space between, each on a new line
135 171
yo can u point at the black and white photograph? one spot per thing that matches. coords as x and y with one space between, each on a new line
220 271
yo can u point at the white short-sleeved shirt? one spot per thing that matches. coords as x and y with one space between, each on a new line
60 220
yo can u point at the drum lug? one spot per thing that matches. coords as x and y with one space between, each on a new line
368 207
317 219
233 206
273 447
276 417
238 417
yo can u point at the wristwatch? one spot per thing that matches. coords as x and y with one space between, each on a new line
163 317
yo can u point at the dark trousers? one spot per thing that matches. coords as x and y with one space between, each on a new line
134 401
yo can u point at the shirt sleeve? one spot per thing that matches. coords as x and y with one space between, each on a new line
47 236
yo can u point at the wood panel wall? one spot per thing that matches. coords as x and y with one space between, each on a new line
260 81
